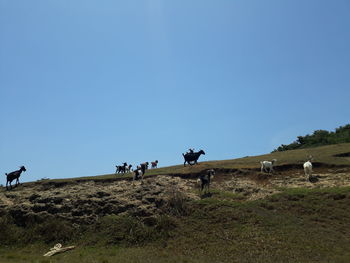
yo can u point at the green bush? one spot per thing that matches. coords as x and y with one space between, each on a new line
318 138
176 204
9 232
50 231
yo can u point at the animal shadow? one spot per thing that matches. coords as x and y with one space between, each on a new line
206 195
313 179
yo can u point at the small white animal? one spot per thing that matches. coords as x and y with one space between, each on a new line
307 169
267 166
128 168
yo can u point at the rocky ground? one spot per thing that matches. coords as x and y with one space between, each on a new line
85 202
255 186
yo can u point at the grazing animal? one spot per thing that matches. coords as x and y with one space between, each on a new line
128 168
192 157
14 175
267 166
121 168
308 168
154 164
138 173
205 179
144 167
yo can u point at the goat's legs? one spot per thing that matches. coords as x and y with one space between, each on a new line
201 188
307 175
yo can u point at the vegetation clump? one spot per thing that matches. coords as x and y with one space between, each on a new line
108 230
128 230
48 231
318 138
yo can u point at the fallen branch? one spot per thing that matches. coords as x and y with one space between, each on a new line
58 249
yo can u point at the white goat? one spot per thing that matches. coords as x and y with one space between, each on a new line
267 166
128 168
308 167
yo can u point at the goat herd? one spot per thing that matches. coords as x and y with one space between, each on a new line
190 157
138 172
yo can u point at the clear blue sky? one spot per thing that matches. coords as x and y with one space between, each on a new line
86 85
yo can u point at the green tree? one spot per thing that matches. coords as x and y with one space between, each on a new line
318 138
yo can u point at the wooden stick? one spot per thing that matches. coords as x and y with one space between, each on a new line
58 249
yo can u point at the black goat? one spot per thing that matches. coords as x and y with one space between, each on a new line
121 168
192 157
205 179
14 175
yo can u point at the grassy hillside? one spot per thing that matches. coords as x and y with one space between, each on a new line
301 224
298 225
323 154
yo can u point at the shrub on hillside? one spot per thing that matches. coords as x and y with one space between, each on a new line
50 231
176 204
9 233
318 138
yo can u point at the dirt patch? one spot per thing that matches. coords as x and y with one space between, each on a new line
258 185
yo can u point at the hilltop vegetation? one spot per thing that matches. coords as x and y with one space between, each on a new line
318 138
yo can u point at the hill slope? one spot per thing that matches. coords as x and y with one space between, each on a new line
326 156
248 217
